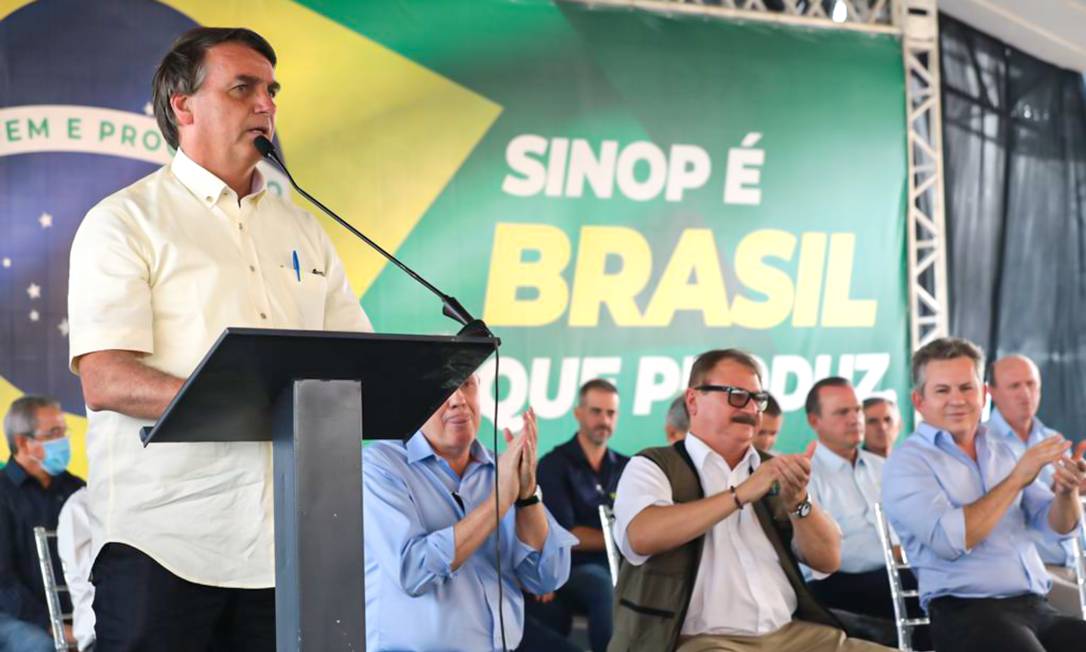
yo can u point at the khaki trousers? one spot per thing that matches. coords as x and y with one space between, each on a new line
796 636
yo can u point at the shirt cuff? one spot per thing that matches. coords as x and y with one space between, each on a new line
557 539
952 523
635 508
84 341
1049 535
442 546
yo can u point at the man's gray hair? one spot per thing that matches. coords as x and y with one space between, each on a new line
677 417
21 418
872 401
945 348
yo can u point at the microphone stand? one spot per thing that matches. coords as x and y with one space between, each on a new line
450 306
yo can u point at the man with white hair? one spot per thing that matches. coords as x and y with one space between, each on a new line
882 424
677 421
431 509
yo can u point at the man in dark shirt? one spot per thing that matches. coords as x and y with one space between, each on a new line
33 488
576 478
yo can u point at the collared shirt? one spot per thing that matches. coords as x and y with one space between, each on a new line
848 492
1058 553
414 599
161 268
25 504
74 550
740 588
573 491
927 483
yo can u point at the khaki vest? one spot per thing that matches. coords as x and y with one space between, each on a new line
651 599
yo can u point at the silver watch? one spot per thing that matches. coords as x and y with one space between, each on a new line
802 510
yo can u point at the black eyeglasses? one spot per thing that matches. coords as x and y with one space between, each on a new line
737 396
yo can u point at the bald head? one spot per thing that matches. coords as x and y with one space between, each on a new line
1015 386
1013 365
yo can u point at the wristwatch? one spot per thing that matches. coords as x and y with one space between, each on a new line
530 500
802 510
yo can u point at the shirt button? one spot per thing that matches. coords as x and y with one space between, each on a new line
241 227
252 268
263 316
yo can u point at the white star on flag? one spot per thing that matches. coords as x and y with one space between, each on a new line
34 291
63 327
6 262
34 316
46 220
148 109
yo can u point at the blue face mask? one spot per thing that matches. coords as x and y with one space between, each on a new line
58 453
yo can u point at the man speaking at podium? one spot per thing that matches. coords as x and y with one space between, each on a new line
183 533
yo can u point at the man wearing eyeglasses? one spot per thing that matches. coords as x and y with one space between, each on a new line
712 530
33 487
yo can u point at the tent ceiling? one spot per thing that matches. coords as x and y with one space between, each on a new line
1052 30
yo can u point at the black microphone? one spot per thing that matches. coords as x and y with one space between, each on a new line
450 306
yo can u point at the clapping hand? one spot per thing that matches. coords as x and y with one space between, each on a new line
794 472
528 442
1070 475
509 471
1036 457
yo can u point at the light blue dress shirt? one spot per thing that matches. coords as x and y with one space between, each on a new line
414 600
927 483
848 493
1052 552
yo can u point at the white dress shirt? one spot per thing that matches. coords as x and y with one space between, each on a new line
740 588
848 493
74 550
161 268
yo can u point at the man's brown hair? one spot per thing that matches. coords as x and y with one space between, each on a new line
706 361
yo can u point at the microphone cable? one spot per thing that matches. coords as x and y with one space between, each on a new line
498 510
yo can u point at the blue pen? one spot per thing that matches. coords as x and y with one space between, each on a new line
297 267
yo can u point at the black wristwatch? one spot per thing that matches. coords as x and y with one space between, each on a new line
530 500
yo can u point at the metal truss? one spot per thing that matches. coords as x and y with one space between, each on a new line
917 23
928 295
866 12
868 15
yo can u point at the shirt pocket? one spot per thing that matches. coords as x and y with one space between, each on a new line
301 298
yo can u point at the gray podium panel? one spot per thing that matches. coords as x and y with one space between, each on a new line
303 390
319 585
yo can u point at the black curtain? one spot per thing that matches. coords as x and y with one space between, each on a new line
1014 152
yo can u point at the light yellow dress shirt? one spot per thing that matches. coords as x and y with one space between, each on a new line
162 267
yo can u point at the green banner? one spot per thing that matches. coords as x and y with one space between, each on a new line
655 186
613 189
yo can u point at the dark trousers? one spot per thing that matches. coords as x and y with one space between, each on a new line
861 593
588 591
868 594
139 605
1023 623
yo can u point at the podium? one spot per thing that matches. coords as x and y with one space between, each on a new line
307 392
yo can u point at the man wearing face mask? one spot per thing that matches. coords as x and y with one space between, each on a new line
33 487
